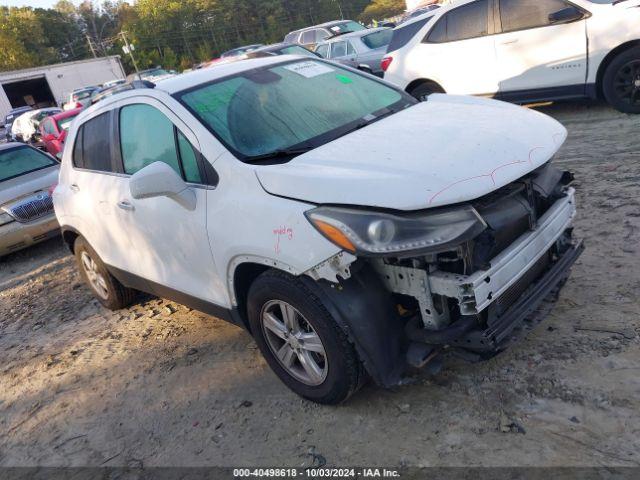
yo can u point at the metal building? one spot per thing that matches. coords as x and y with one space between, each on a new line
51 85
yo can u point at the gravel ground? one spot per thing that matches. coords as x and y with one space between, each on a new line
160 385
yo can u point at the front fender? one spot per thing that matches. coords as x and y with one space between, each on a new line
365 311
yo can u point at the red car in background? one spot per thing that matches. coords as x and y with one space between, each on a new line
53 130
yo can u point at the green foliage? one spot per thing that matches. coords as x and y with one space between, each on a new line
381 9
171 33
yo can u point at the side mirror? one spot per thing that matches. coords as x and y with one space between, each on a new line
566 15
160 180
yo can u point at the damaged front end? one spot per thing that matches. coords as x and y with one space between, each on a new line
468 286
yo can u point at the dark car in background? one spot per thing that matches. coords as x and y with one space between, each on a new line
311 36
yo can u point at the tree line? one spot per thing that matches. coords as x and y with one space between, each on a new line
176 34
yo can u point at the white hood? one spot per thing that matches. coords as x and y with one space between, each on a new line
447 150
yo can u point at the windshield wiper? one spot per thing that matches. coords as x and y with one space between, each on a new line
280 154
618 1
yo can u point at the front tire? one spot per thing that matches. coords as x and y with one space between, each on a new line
621 82
424 90
104 286
301 341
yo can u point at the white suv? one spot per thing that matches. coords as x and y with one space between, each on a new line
351 229
522 51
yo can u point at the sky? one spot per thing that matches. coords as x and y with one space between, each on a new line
31 3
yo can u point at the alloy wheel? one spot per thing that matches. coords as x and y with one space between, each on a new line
96 280
626 83
294 342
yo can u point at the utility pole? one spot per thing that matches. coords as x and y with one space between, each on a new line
129 50
91 46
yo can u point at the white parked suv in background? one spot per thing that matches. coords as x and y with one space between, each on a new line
522 51
351 229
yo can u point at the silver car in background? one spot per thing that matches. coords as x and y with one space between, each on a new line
364 49
27 179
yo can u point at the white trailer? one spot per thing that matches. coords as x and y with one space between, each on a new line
52 84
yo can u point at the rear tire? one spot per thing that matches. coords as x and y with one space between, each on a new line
104 286
277 301
424 90
621 82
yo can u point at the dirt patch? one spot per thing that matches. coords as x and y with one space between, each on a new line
159 384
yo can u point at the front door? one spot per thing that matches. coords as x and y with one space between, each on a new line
536 51
171 242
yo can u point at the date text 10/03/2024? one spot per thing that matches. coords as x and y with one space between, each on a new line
317 473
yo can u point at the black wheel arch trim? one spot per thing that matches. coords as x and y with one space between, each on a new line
366 313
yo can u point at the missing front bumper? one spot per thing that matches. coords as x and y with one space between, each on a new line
507 328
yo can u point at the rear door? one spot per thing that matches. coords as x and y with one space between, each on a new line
171 243
94 187
535 52
459 50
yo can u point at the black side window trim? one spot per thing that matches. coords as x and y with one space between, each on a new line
498 18
491 26
80 138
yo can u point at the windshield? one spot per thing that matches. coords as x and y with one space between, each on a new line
81 95
22 160
299 104
378 39
297 50
65 123
158 72
346 27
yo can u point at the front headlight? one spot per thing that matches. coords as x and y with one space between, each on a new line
377 234
5 218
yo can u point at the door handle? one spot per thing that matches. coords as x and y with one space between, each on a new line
124 205
510 42
74 188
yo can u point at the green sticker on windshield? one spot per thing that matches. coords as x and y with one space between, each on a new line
344 79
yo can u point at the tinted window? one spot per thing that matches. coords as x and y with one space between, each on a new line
279 107
189 160
403 35
323 50
22 160
309 37
291 38
378 39
146 136
339 49
321 35
469 21
95 151
523 14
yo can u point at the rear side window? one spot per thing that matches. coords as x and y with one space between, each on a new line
147 136
339 49
378 39
309 37
468 21
524 14
92 150
323 51
321 35
291 38
403 35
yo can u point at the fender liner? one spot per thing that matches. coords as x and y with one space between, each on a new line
365 311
